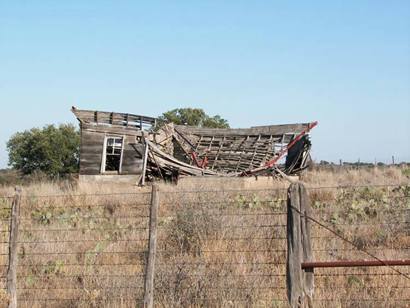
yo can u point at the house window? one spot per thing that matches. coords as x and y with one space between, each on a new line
113 154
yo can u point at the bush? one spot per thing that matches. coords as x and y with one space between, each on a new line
51 150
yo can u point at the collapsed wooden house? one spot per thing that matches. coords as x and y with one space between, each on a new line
129 147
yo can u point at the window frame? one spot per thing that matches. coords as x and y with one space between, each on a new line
104 156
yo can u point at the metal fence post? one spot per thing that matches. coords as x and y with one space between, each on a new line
300 284
150 269
13 250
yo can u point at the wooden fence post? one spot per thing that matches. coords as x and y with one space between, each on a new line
300 283
13 250
144 162
150 269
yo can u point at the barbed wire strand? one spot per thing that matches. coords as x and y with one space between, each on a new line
347 240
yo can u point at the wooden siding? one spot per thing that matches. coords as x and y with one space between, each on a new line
132 157
92 149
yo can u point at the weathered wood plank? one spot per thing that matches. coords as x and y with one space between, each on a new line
88 116
277 130
308 275
144 163
169 160
152 249
299 284
13 250
132 159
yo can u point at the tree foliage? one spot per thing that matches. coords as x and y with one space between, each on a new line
52 149
193 117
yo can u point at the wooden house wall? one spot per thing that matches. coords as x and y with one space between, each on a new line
132 156
92 149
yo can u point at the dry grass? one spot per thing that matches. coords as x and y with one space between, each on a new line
221 243
361 176
314 178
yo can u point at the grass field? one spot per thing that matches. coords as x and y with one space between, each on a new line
221 242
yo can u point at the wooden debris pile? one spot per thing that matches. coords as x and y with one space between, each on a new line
185 150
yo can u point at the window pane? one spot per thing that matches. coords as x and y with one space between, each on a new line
113 154
112 163
118 142
109 150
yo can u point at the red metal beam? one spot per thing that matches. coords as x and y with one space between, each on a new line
357 263
199 163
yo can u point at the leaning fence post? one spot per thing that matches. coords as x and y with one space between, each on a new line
144 162
299 283
13 249
150 269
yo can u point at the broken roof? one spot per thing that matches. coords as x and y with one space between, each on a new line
237 150
267 130
129 120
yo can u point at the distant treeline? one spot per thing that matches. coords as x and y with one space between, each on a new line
360 164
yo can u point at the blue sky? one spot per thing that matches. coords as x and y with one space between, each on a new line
343 63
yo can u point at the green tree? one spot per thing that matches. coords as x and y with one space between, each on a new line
193 117
51 149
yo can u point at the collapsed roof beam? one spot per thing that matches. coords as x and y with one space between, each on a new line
273 161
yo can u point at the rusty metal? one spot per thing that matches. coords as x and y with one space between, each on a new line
200 163
356 263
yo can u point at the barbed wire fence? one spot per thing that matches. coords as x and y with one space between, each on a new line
357 239
77 250
213 247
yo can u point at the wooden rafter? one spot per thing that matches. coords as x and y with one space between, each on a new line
255 146
217 153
